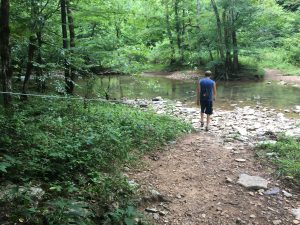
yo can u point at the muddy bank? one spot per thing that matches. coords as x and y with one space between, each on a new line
277 75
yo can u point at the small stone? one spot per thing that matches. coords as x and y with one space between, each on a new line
156 99
229 180
272 191
287 194
276 222
154 192
162 213
240 160
252 216
151 210
203 215
156 216
296 222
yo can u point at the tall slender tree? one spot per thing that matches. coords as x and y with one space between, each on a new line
72 46
6 70
219 29
32 45
235 66
68 80
169 31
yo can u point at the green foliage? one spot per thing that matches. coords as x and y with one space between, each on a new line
126 36
286 155
75 155
277 58
124 216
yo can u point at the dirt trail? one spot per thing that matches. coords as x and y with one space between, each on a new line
196 177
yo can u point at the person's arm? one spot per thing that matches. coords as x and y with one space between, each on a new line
215 91
198 93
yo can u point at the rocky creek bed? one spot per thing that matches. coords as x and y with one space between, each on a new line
213 177
246 124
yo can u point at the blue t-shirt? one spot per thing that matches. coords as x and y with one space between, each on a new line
206 93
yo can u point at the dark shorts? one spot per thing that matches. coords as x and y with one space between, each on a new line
206 107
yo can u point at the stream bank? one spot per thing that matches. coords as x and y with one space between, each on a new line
195 180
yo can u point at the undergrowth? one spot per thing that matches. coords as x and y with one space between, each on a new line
285 154
61 163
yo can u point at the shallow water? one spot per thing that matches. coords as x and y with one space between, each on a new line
228 93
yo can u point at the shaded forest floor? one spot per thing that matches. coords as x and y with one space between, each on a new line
197 180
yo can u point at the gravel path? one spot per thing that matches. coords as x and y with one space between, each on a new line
196 179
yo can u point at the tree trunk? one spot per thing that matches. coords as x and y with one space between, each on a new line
234 42
177 23
65 45
219 29
39 71
227 45
172 61
198 7
182 38
72 46
29 67
6 70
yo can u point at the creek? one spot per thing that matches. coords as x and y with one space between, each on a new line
229 94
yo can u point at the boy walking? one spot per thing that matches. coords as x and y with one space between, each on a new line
206 94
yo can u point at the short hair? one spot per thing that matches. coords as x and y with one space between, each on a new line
208 73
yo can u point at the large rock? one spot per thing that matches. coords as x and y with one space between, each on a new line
252 182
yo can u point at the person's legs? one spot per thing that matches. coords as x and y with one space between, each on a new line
207 120
202 106
209 111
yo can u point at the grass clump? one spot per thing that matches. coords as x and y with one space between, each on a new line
61 163
285 153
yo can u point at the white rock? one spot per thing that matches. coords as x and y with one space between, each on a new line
296 213
241 130
287 194
240 160
277 222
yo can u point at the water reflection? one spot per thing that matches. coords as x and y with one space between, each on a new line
244 93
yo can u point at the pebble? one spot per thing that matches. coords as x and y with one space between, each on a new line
277 222
272 191
151 210
156 216
287 194
240 160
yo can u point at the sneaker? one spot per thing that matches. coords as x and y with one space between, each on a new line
206 129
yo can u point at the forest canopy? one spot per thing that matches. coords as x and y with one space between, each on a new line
90 36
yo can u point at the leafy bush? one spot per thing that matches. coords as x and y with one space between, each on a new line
75 155
286 155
